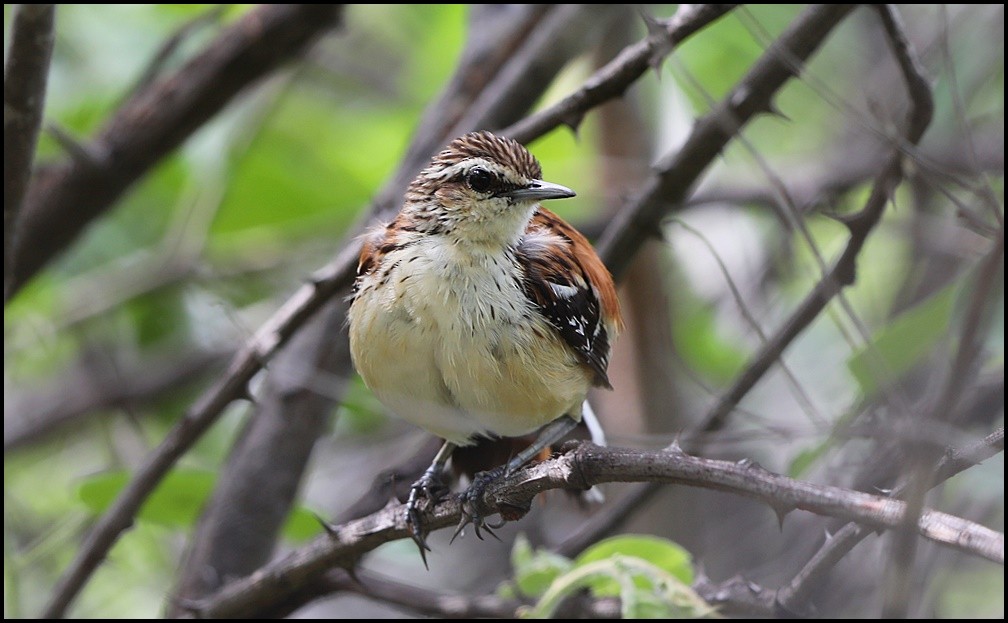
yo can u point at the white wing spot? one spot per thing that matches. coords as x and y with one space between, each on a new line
562 291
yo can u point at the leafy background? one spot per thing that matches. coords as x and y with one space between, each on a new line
200 252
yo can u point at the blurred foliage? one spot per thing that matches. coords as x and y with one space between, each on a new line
178 500
204 248
651 577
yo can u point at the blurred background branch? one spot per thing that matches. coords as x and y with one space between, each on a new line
165 282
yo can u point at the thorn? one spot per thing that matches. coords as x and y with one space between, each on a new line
423 557
81 153
700 571
328 527
661 43
850 221
245 393
487 529
781 513
771 109
675 447
319 276
573 121
655 232
655 28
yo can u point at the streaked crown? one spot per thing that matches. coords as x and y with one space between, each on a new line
481 188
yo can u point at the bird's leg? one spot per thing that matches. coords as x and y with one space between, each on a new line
431 485
472 498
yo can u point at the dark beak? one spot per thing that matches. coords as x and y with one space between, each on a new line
539 190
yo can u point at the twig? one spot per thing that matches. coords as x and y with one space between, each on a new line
677 173
612 81
966 359
234 536
172 43
32 415
585 466
518 84
732 596
25 77
154 122
899 573
327 282
141 132
844 269
239 526
794 597
809 186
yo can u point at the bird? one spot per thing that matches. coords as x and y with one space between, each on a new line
477 313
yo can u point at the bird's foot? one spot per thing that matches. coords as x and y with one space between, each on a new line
474 511
432 487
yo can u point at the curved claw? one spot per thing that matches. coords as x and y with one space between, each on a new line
430 486
473 507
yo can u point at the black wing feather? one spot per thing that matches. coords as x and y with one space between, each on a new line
562 294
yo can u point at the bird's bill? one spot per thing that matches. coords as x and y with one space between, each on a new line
539 190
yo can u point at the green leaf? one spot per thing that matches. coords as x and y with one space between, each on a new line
901 344
806 458
645 590
700 343
179 499
302 524
661 553
535 571
175 503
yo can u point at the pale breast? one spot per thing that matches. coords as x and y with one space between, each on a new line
449 343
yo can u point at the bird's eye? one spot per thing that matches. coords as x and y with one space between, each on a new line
479 179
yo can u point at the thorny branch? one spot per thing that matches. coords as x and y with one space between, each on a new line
677 173
615 78
240 523
327 282
793 598
582 467
845 268
134 140
288 319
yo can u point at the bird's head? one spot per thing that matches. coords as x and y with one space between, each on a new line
481 189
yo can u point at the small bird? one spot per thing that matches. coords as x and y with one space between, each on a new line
477 313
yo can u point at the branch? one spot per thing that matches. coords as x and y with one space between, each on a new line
442 604
677 173
95 384
733 596
844 270
327 282
232 385
239 528
794 597
25 77
64 198
809 184
612 80
577 469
